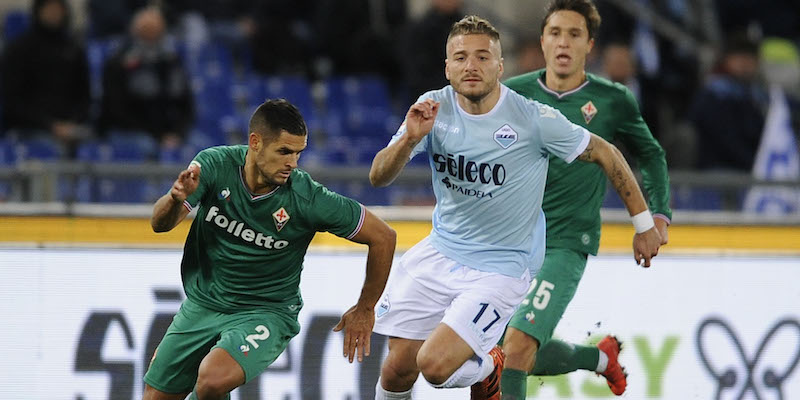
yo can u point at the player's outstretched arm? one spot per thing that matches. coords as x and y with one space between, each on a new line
647 239
169 210
358 321
389 162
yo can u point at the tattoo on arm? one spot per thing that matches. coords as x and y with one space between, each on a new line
587 153
619 179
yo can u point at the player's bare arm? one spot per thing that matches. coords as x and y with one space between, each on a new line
599 151
389 162
169 211
357 322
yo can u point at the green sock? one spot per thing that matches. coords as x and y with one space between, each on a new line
513 384
557 357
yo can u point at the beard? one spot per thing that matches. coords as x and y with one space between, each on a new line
475 96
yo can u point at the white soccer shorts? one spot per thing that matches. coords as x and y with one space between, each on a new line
426 288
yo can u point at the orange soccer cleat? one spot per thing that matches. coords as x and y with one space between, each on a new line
489 388
615 373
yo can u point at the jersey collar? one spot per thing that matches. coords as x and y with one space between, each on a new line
541 81
254 197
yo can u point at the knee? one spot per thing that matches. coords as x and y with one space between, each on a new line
213 384
398 378
520 349
434 368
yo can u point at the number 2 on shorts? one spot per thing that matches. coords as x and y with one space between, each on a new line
264 334
480 314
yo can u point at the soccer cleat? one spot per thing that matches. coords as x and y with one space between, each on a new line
615 373
489 388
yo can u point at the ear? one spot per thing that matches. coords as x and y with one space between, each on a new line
590 47
500 69
446 69
254 142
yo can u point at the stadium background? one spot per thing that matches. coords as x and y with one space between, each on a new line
85 283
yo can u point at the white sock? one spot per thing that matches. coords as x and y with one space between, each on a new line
383 394
602 362
469 373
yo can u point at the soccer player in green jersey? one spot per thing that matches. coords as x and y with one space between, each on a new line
572 198
243 257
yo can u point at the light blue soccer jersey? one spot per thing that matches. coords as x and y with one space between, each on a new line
489 172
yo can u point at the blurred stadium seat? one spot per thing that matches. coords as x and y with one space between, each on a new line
360 105
15 23
37 149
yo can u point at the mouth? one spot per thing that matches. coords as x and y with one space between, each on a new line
563 58
472 79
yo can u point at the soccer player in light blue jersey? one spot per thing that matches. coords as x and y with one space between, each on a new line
449 298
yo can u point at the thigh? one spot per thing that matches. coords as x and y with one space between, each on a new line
413 305
256 339
483 307
550 294
177 358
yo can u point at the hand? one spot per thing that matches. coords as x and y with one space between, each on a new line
419 119
186 183
357 324
662 226
645 246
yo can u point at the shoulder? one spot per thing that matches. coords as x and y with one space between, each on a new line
220 155
304 186
441 95
614 90
521 81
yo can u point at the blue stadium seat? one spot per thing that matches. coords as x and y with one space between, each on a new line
15 23
37 149
361 104
178 155
97 52
293 88
7 159
700 199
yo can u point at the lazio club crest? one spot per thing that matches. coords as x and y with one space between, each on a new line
589 111
505 136
281 217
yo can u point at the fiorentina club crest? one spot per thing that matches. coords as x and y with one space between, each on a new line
280 217
589 111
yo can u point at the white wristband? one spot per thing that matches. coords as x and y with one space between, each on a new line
643 221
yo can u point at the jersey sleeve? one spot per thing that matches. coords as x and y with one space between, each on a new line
649 156
206 161
337 214
422 146
560 137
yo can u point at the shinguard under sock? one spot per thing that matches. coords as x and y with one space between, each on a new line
557 357
513 384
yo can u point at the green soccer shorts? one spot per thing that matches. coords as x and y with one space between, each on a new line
253 338
551 291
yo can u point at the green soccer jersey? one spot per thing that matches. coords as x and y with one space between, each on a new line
245 251
574 192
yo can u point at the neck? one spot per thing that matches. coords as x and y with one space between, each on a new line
254 181
564 83
482 105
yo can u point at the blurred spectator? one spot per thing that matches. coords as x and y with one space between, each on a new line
760 18
145 87
421 47
619 65
530 56
230 22
283 40
110 18
728 113
45 80
668 71
359 36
